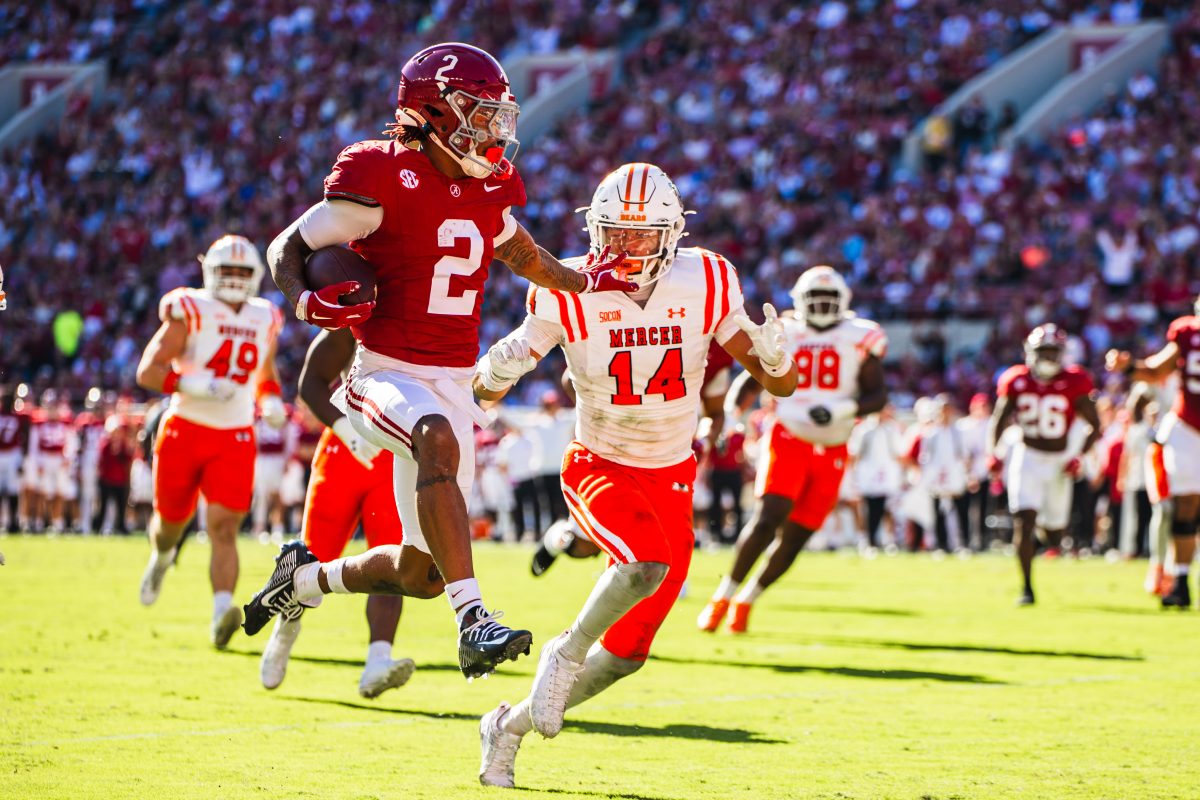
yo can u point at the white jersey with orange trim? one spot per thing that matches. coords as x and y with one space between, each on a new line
638 371
223 343
828 363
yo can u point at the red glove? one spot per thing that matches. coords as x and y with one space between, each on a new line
321 308
993 465
605 274
1072 467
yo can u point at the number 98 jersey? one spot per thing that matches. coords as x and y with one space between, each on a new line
638 371
827 362
221 343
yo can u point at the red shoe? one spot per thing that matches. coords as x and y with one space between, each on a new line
1052 552
710 618
741 617
1154 580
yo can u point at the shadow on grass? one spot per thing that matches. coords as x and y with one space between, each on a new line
846 672
879 612
673 731
594 794
1155 611
978 648
341 662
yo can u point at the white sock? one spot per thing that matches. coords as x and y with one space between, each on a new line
221 601
463 595
304 579
379 650
518 721
727 588
749 594
1181 569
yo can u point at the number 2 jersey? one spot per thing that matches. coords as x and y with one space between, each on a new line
221 343
638 371
828 362
431 251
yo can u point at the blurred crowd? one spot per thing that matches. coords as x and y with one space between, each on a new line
780 122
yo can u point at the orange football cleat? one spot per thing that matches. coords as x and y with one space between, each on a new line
710 618
741 617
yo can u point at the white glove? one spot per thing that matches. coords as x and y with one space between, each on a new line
767 341
359 447
270 406
504 364
206 388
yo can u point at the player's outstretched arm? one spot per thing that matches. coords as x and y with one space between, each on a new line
1150 369
999 421
165 346
270 401
327 356
1085 407
503 365
524 257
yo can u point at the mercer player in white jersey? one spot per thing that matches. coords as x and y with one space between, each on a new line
840 361
215 355
637 363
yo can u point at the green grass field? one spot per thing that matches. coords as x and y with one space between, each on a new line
893 678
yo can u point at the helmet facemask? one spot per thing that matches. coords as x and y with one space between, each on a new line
232 269
1045 362
649 251
821 308
480 120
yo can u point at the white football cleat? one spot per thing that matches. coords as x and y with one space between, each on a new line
551 688
499 749
152 578
380 676
224 626
279 649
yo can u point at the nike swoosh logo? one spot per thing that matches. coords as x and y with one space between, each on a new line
268 599
487 188
456 594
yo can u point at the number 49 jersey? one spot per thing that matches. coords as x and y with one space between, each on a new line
828 363
638 371
221 343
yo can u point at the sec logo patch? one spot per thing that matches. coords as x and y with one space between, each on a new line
409 179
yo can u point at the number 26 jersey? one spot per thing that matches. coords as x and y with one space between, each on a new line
638 371
221 343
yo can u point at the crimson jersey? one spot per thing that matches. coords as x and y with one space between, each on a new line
431 252
10 432
1185 333
1045 409
50 433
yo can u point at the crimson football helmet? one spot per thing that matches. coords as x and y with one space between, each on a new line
1044 349
457 97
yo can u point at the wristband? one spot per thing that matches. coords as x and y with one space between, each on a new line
268 387
171 382
779 370
301 305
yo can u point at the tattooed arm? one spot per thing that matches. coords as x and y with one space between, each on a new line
524 257
285 259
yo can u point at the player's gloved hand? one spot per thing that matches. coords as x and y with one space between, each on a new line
321 308
837 411
504 363
204 387
604 274
767 341
1073 466
272 410
359 447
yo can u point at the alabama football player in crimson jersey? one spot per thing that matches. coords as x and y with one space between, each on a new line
214 354
637 363
1178 436
429 208
1045 396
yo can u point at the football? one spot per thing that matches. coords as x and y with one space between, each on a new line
335 264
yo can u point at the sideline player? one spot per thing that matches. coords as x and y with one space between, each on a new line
214 353
1179 438
637 364
351 483
12 436
429 207
840 361
1041 468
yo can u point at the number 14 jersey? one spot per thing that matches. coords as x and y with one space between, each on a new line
638 371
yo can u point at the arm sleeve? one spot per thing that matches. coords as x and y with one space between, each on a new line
332 221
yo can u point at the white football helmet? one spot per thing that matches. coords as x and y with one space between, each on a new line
821 297
637 197
232 251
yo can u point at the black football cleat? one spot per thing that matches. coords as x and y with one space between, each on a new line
1026 598
1180 595
542 559
279 595
484 643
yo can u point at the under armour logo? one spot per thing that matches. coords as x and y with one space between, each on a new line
588 457
676 312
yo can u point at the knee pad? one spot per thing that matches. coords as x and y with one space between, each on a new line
641 578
